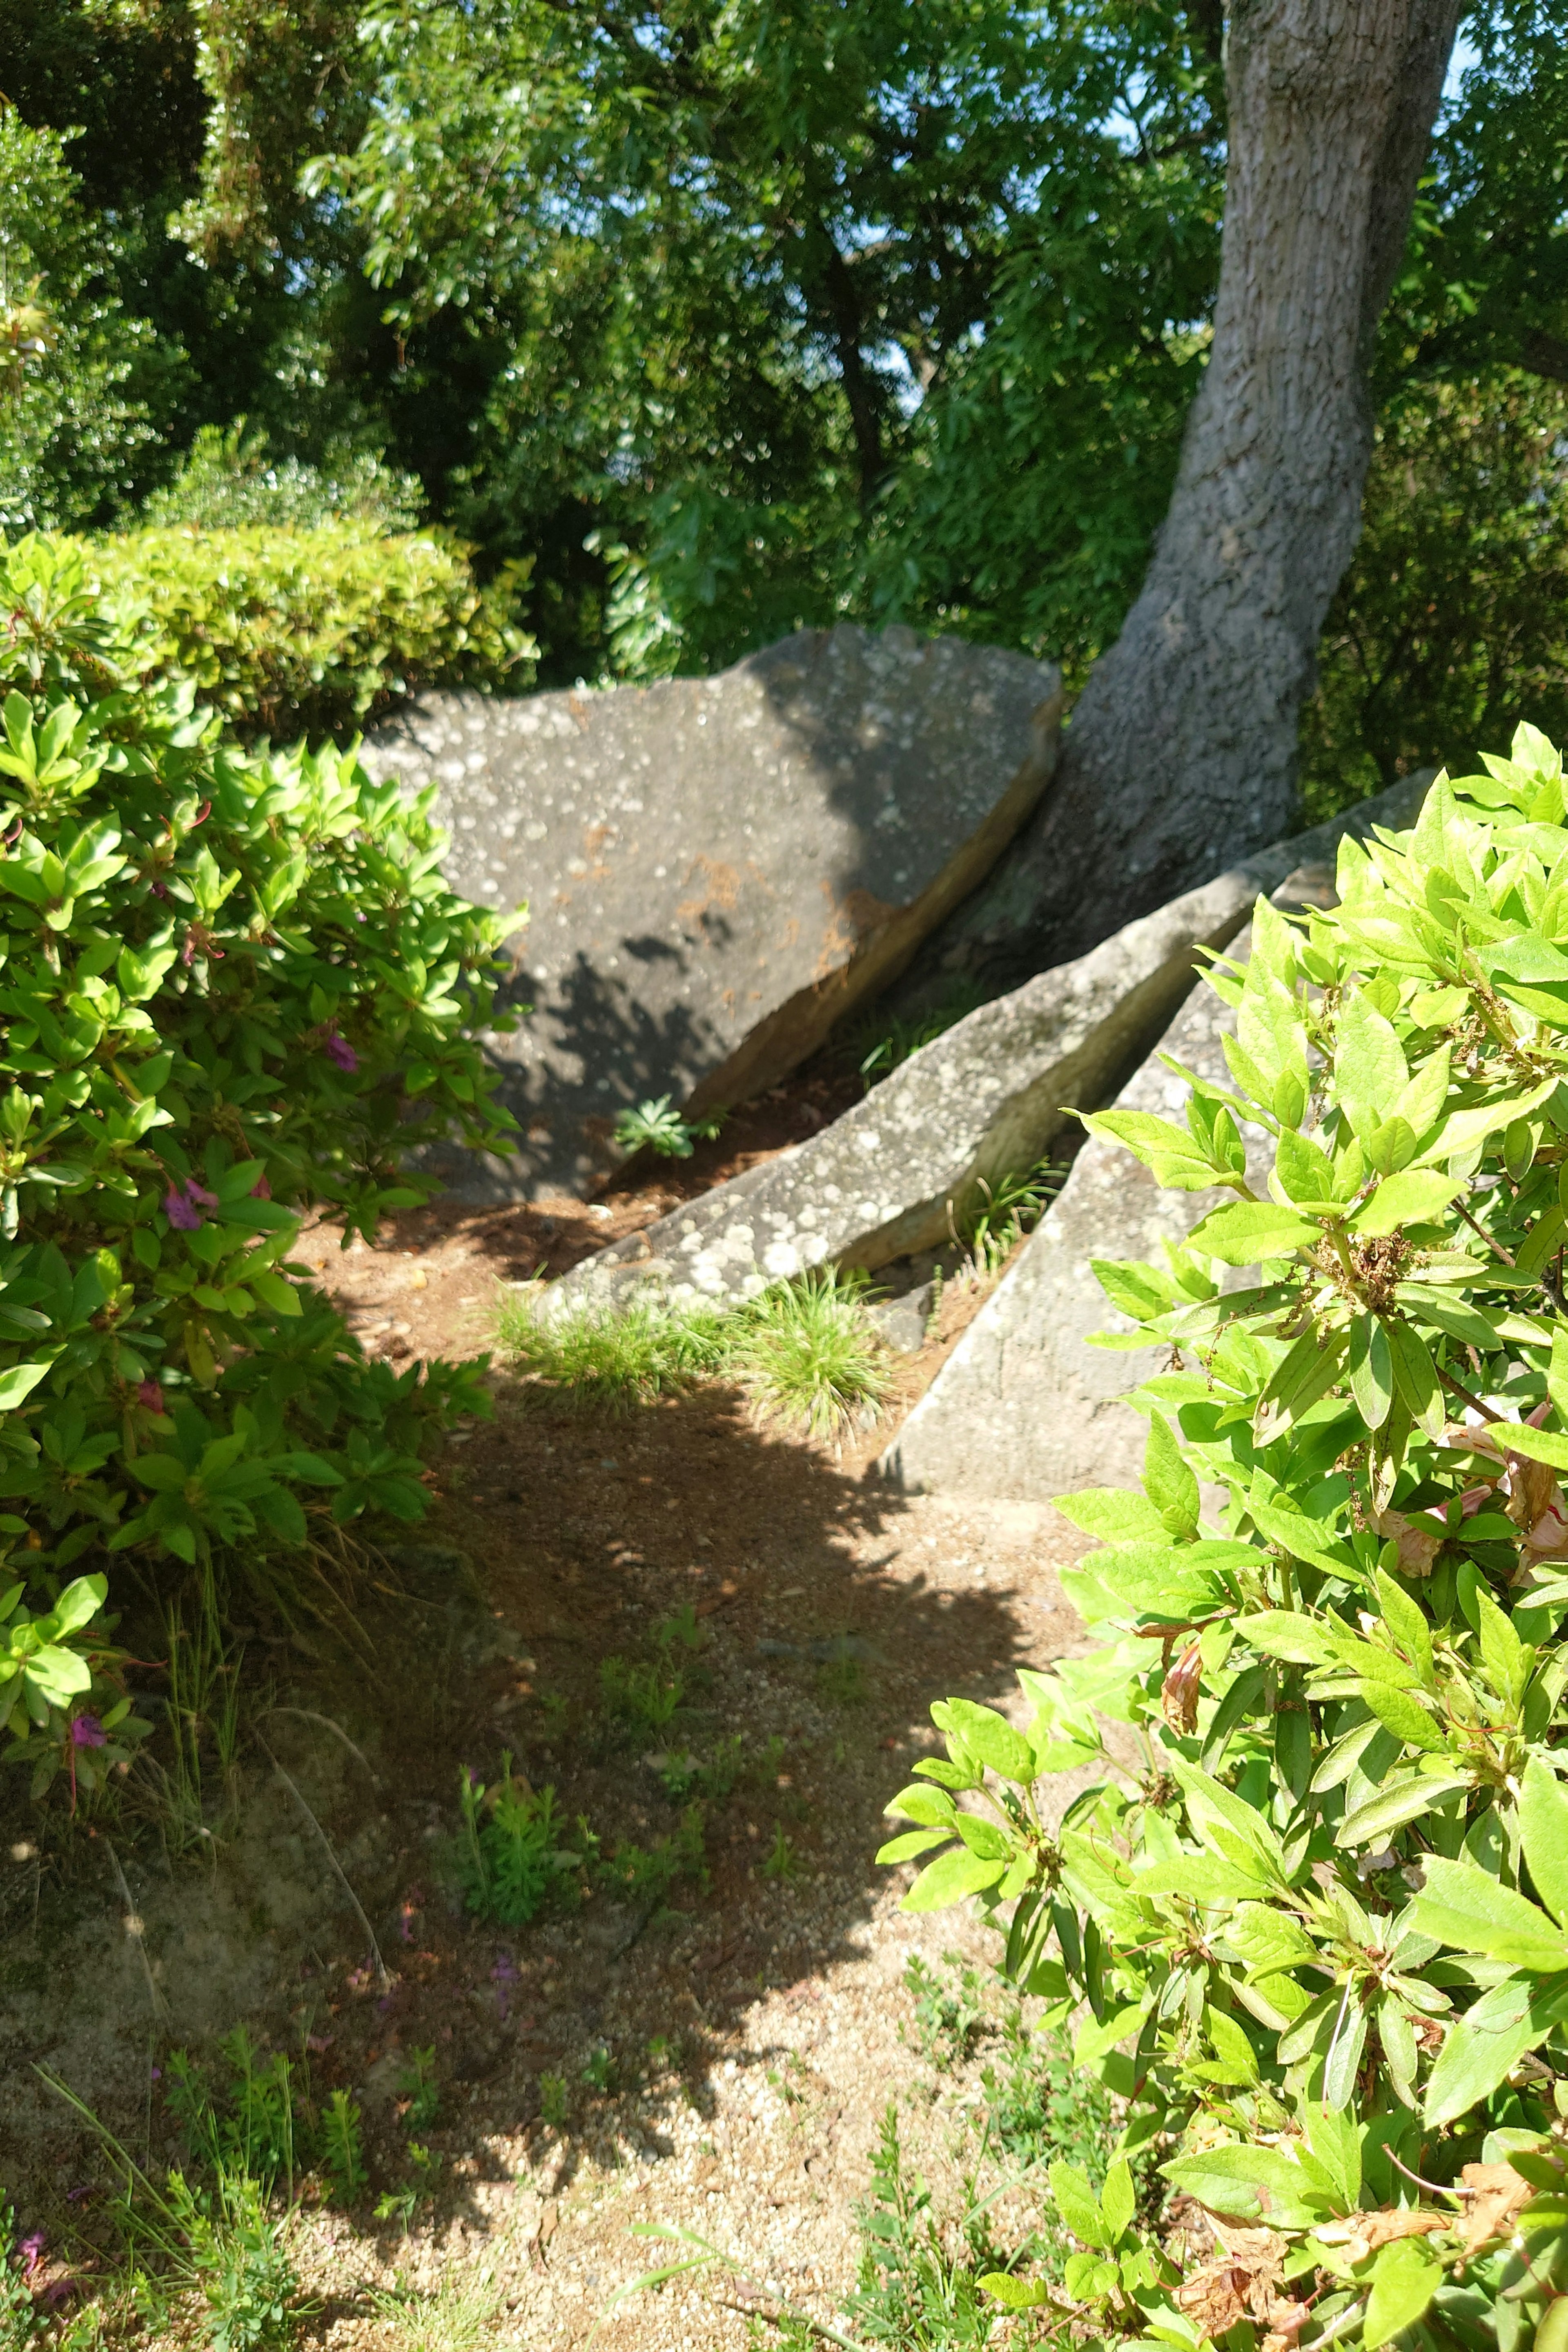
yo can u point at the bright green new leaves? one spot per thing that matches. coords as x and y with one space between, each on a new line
1313 1907
217 977
42 1665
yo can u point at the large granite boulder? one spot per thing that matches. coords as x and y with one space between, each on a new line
1024 1409
717 869
896 1172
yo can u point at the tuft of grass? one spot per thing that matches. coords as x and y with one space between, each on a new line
598 1361
453 2319
804 1352
1010 1208
807 1356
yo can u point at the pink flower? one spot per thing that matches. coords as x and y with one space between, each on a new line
261 1189
31 2249
149 1395
87 1731
183 1203
340 1051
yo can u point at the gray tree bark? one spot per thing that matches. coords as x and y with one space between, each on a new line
1180 755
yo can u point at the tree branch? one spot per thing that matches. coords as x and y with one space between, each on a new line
859 391
1206 19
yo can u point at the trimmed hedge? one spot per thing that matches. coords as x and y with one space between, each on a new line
308 631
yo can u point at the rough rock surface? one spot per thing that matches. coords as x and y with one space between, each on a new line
1023 1409
894 1174
717 868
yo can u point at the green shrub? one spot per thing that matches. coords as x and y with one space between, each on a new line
84 388
305 631
230 478
234 985
1447 626
1314 1907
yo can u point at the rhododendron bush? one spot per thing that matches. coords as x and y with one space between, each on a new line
231 985
1311 1911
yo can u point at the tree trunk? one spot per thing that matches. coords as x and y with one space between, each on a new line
1181 754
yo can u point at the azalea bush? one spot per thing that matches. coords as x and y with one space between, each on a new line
233 986
1310 1903
285 630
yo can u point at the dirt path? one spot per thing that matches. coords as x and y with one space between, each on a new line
720 2061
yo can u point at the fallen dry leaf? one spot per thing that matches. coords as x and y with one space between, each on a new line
1286 2321
1361 2234
1237 2283
1493 2194
1418 1549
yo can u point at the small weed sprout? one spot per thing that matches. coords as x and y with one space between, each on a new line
1040 2107
402 2204
658 1126
552 2100
599 2073
683 1776
235 2253
949 2014
250 2131
682 1626
645 1695
919 2281
511 1858
342 2156
418 2084
841 1680
637 1876
399 2205
782 1863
